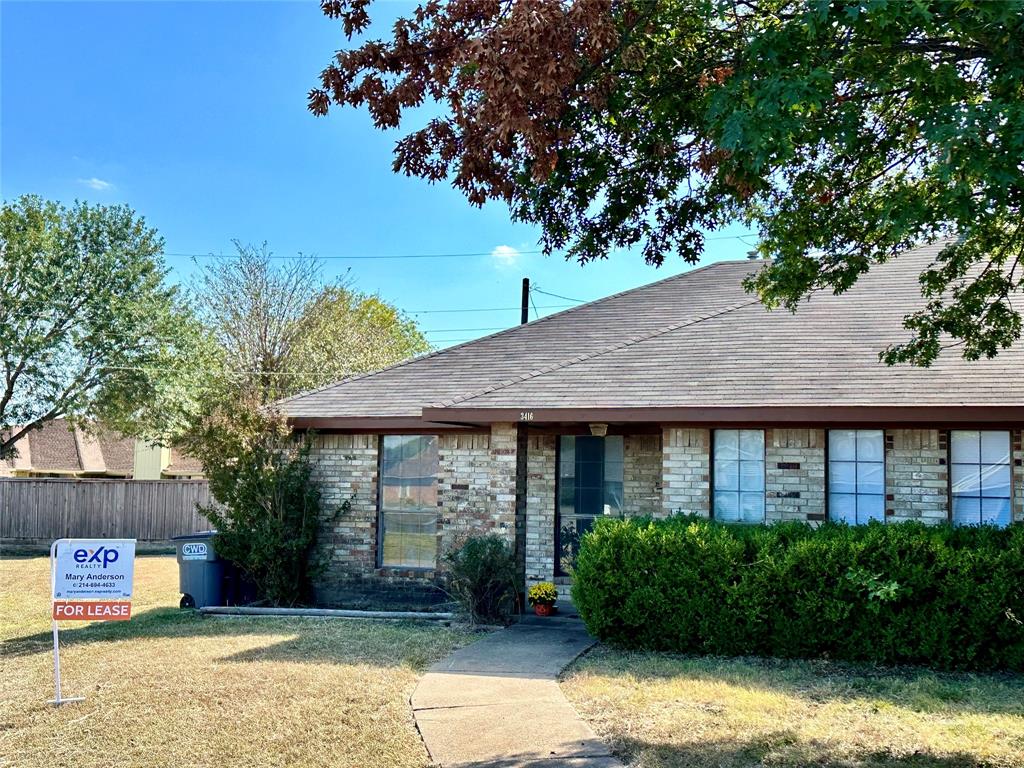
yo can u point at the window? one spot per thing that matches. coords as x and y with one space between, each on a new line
856 475
590 471
739 475
408 501
980 477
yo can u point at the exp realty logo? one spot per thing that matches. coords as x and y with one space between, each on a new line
100 557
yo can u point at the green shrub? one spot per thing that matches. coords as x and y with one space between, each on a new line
267 511
482 576
890 593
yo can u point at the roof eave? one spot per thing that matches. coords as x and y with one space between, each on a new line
373 423
781 415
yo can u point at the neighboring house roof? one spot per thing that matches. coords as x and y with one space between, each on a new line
691 347
183 465
57 448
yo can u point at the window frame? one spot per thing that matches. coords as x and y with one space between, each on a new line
561 484
739 489
951 496
828 475
381 510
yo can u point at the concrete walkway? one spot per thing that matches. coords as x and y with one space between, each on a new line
497 703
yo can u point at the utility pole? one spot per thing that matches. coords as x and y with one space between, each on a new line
524 316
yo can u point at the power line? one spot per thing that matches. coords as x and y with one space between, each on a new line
348 257
454 330
555 295
483 309
360 257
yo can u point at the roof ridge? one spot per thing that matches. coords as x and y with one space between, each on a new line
568 362
437 352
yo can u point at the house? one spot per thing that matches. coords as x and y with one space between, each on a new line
57 449
685 395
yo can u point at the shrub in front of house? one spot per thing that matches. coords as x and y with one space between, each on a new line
268 508
482 577
950 598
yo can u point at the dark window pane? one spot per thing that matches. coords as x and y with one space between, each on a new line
589 501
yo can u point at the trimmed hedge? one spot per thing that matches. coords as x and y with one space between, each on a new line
950 598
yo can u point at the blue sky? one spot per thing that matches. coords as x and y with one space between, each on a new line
194 114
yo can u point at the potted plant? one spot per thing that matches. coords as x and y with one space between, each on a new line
542 597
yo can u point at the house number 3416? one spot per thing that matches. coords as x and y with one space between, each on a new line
526 415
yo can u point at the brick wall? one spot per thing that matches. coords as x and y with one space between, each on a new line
476 495
502 481
662 475
540 508
686 471
476 485
641 475
345 466
916 475
794 474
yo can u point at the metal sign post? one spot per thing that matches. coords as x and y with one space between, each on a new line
57 700
80 571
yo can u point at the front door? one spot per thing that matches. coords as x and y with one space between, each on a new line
589 487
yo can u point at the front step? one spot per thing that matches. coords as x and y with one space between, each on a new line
565 609
533 620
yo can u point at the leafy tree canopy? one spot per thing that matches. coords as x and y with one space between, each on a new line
89 329
844 131
283 330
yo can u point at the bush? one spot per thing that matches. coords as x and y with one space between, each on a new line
893 593
267 510
482 576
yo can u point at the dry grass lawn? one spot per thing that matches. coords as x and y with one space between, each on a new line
659 710
170 688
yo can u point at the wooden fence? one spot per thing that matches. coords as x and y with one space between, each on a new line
148 510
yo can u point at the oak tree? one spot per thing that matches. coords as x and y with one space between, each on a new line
844 131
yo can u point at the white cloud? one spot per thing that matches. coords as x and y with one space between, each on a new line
97 184
505 256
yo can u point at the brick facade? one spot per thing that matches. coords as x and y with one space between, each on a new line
345 467
916 475
794 469
641 475
541 473
476 494
472 487
686 471
478 491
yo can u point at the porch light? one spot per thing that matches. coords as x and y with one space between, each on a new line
599 430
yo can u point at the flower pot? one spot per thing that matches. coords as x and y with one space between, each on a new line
543 609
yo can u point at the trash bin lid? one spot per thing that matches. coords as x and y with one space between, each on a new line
196 535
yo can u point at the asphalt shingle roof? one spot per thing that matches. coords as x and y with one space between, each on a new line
694 340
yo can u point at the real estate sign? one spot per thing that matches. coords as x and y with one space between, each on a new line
91 569
90 580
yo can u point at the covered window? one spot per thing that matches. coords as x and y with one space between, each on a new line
856 475
980 477
739 475
408 501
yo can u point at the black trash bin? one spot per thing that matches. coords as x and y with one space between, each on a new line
200 571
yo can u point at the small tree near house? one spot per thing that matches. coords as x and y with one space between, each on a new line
268 508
